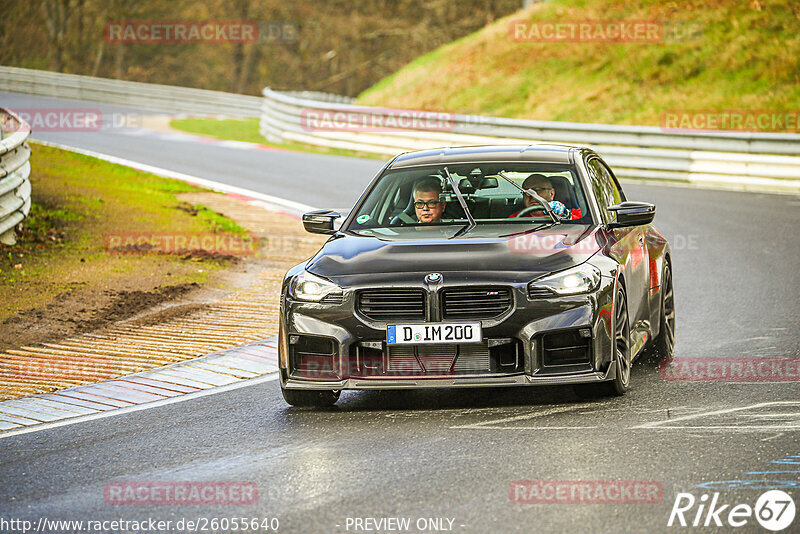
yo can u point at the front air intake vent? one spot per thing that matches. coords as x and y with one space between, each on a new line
392 304
475 302
539 292
333 298
567 347
313 357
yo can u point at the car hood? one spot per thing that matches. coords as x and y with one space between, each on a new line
394 257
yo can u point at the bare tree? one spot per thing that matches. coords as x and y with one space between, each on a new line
56 17
341 46
241 8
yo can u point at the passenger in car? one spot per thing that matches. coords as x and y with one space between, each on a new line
427 204
542 186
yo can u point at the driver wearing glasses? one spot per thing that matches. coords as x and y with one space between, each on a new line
428 207
542 186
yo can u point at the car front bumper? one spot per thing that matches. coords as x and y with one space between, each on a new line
528 320
453 382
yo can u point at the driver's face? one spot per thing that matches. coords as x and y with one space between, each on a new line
545 191
427 214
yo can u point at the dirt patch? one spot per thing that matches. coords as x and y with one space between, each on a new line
126 304
82 310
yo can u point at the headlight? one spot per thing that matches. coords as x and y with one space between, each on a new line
581 279
306 286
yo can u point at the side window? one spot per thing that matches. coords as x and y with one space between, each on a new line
605 188
609 176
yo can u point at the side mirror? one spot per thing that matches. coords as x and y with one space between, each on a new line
320 221
630 213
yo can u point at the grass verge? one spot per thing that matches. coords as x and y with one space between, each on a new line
735 55
61 270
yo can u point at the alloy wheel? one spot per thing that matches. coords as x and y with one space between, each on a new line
622 340
669 312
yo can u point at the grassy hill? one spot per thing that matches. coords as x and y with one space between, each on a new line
745 57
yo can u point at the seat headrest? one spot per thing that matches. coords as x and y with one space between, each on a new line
564 191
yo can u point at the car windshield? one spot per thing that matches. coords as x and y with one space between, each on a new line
423 198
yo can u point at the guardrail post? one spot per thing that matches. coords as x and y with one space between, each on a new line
271 133
15 187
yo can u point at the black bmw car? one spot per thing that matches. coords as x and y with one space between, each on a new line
479 266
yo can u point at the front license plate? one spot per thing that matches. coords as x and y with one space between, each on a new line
420 334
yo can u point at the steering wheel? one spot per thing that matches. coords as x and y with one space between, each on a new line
402 219
523 212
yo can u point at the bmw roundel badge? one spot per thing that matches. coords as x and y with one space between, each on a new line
433 278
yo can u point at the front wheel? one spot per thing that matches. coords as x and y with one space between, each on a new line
622 356
310 398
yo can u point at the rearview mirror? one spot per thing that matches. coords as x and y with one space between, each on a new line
320 221
488 183
631 213
466 187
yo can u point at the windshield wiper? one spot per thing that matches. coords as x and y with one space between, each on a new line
471 224
534 194
542 226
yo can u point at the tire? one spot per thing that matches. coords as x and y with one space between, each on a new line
310 398
622 355
664 344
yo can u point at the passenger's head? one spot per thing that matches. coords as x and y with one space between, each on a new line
541 185
427 205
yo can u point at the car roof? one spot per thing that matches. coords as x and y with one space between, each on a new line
541 153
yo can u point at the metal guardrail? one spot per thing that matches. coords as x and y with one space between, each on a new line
15 170
737 160
167 98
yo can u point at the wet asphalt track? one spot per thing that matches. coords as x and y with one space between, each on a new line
453 454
